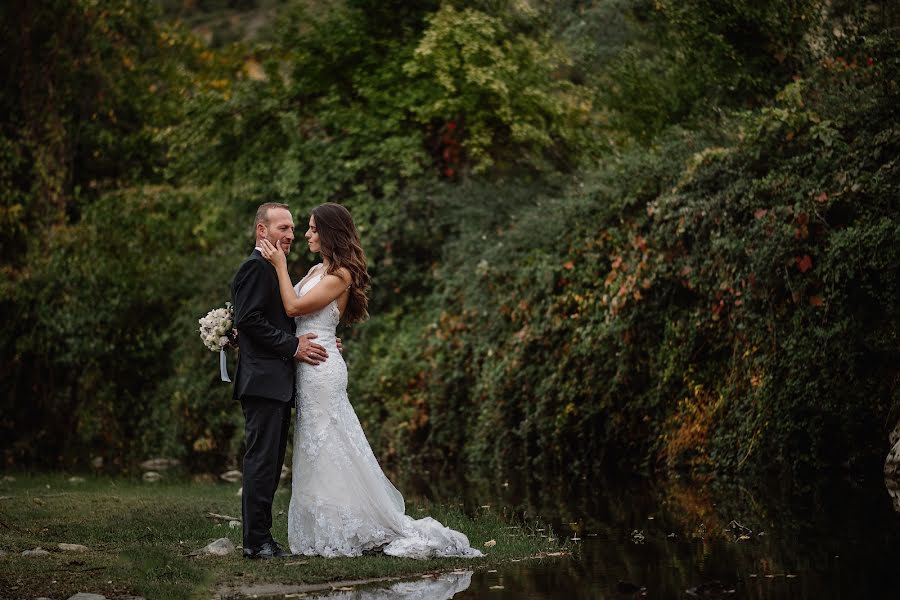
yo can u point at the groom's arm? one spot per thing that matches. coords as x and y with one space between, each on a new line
248 294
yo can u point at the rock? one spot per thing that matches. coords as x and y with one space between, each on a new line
87 596
240 491
234 524
73 548
203 478
76 479
285 472
36 552
220 547
97 462
232 476
152 476
894 436
9 478
159 464
892 462
893 490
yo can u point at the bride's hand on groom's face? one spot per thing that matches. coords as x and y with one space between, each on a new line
272 254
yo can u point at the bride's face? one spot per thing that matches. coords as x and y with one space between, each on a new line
312 236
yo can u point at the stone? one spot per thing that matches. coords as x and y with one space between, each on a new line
87 596
220 547
97 462
234 524
892 462
73 548
159 464
76 480
9 478
240 491
232 476
36 552
894 436
892 468
285 473
893 490
152 476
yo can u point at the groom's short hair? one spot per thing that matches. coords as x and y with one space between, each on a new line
262 213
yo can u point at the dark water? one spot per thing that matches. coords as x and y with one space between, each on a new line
682 539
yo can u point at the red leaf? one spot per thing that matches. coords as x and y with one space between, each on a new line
639 242
823 197
804 263
568 265
816 301
760 213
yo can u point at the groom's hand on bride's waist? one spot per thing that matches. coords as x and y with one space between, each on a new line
309 351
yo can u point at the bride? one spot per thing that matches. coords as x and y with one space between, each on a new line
342 504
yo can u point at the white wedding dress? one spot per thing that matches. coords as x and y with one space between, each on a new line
342 504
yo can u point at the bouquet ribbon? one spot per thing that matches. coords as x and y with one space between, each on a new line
223 368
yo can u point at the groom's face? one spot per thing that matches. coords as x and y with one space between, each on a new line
280 229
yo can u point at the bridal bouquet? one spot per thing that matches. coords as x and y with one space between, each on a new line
217 328
217 333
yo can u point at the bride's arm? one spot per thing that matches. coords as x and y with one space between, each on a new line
317 298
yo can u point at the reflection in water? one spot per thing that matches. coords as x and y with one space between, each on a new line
829 539
442 587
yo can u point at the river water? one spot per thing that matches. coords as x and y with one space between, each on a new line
635 538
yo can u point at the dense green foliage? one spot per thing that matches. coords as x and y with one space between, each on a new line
657 234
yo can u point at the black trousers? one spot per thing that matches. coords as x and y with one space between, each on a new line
266 431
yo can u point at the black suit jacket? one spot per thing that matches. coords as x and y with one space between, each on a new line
265 367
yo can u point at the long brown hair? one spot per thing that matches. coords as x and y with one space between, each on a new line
339 243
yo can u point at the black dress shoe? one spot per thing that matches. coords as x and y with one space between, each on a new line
267 551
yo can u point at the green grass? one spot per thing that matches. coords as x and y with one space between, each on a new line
139 536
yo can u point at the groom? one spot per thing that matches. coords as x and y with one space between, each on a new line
264 380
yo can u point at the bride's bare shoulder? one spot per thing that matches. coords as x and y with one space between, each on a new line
344 274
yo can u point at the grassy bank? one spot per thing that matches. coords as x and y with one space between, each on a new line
140 536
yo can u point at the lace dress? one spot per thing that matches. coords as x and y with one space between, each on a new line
341 502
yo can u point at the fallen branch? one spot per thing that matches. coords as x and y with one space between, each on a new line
218 517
